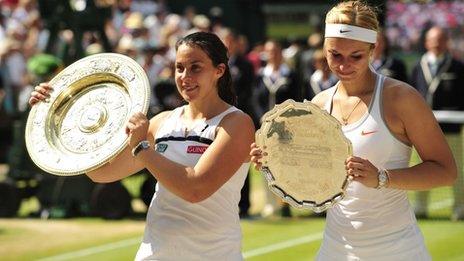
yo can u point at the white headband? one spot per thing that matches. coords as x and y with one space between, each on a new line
350 32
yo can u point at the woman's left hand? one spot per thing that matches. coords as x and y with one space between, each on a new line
363 171
137 128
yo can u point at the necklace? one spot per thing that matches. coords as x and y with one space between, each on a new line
345 119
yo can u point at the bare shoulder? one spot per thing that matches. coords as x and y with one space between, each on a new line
157 120
321 98
235 134
237 120
160 116
401 95
405 111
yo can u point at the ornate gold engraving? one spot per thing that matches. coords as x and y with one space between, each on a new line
82 125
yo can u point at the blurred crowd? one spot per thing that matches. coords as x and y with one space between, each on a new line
406 22
38 38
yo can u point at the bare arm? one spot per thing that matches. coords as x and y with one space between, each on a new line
411 118
125 164
215 167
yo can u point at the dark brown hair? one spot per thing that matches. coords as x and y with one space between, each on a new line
217 52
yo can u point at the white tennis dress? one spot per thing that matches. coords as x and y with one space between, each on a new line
369 223
179 230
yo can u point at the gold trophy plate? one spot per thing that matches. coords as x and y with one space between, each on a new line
82 125
306 152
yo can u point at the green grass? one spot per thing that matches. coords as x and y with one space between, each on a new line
268 233
440 199
444 239
28 239
440 202
291 239
35 239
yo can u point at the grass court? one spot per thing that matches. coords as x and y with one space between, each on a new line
296 238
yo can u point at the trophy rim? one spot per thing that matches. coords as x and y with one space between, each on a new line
275 188
143 100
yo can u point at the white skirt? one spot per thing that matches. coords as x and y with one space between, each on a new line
189 247
406 244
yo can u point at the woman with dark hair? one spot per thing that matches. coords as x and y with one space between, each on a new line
200 159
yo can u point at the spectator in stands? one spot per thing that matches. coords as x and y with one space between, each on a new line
276 82
87 16
314 42
6 131
322 78
243 81
40 68
439 78
256 56
384 63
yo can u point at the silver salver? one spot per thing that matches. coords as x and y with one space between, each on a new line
306 152
82 125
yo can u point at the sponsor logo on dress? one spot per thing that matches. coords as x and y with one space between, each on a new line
161 147
196 149
364 133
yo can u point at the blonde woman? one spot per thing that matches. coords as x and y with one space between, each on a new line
383 118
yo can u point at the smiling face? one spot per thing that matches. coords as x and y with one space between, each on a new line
347 59
196 76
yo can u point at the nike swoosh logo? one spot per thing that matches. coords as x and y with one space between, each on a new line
344 31
363 133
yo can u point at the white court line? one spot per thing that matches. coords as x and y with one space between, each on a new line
282 245
94 250
134 241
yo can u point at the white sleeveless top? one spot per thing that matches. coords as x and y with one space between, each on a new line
179 230
369 223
